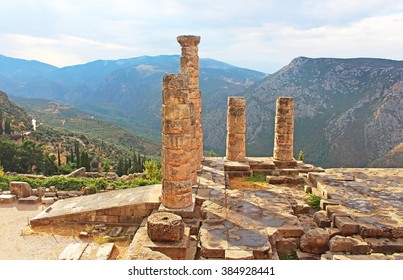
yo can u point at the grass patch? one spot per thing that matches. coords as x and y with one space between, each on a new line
104 239
313 200
289 256
257 178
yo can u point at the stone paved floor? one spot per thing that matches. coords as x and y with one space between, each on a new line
270 222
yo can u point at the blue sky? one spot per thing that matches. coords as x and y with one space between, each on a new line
261 35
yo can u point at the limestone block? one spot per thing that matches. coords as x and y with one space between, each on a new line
321 219
175 157
176 201
7 198
188 40
165 227
176 173
176 126
177 188
346 225
284 139
20 189
315 241
77 173
176 111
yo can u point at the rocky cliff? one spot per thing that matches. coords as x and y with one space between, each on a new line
348 112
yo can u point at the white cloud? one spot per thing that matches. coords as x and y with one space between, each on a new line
264 35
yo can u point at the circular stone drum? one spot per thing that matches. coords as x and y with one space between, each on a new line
165 227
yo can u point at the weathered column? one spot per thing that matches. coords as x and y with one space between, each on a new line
176 142
284 131
189 64
236 129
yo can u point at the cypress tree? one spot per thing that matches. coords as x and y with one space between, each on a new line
1 122
71 155
7 126
77 151
58 157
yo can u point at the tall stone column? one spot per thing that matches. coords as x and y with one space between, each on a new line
284 131
176 142
189 64
236 129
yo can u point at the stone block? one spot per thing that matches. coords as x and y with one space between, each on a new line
306 256
73 251
7 198
321 219
348 244
287 232
176 173
346 225
315 241
385 245
238 255
287 245
176 111
176 126
29 200
165 227
177 141
47 200
20 189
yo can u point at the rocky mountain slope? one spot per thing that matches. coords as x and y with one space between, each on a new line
126 92
348 112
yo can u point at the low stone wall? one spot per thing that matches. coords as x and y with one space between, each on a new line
113 216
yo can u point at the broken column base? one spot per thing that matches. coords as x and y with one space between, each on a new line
183 212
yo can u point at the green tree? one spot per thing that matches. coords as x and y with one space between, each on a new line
120 167
58 157
7 126
1 122
8 152
212 153
106 165
77 152
152 169
50 167
301 156
85 161
30 155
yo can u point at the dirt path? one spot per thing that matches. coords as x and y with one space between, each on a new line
17 244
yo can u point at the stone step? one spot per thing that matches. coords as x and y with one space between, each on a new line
96 251
236 166
73 251
29 200
7 198
385 245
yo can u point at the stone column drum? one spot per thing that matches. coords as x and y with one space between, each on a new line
284 130
189 64
236 129
176 142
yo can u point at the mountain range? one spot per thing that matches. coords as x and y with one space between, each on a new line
348 112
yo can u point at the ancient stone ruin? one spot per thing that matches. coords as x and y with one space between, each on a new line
189 65
236 129
177 159
200 212
283 152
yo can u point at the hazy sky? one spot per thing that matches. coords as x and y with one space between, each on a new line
264 35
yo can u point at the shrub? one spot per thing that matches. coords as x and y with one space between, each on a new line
1 171
313 200
152 170
212 153
301 156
